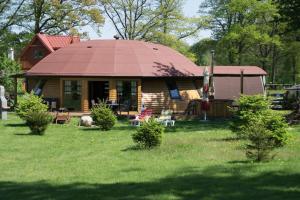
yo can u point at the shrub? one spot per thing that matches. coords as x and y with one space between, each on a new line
30 103
256 109
249 108
149 135
261 142
38 122
103 116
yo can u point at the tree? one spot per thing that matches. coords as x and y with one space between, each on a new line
289 10
143 19
8 67
59 16
247 32
8 11
132 19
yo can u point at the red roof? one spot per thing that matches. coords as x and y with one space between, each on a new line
57 41
236 70
129 58
115 58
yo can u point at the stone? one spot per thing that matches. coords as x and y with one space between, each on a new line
86 121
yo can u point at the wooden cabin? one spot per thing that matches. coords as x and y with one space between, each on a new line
135 73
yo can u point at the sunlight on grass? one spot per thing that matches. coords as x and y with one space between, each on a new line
196 160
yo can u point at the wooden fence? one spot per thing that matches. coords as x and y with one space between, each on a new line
218 108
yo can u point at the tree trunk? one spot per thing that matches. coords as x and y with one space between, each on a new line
294 69
273 67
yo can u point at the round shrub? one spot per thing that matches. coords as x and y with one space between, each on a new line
256 110
103 116
38 122
30 103
149 135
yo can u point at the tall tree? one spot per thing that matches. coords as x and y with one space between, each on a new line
242 26
59 16
132 19
142 19
8 11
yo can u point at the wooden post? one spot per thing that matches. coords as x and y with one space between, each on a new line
242 81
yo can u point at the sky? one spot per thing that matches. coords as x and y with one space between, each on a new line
190 9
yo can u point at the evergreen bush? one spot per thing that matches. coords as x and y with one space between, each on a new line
149 135
261 142
38 122
103 116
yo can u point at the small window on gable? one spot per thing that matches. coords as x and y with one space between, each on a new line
173 89
38 54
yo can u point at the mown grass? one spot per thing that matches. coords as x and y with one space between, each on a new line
197 160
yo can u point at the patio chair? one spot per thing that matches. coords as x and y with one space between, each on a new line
143 117
53 106
166 118
62 117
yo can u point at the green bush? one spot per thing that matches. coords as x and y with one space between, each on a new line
261 142
256 109
38 122
149 135
103 116
30 103
249 108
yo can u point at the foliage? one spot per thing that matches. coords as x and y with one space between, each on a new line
8 11
140 19
29 103
103 116
253 32
257 108
149 135
38 121
250 107
8 67
55 17
260 141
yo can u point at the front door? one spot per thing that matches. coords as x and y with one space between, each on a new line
98 91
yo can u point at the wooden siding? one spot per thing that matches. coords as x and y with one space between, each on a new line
84 96
156 95
27 60
52 89
112 90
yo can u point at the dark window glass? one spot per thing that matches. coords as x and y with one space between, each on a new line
127 94
173 89
38 54
72 95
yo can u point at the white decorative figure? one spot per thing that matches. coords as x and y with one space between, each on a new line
3 104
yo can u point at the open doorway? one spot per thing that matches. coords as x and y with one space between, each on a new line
98 91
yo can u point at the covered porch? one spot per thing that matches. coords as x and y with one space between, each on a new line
78 95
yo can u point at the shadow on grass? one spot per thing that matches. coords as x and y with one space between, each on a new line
216 182
16 125
134 148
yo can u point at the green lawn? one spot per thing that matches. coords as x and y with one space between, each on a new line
196 161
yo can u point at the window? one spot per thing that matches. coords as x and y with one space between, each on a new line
38 54
127 94
72 95
173 90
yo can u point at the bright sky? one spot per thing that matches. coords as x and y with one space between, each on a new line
190 9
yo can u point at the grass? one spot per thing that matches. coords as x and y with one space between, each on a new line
197 160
